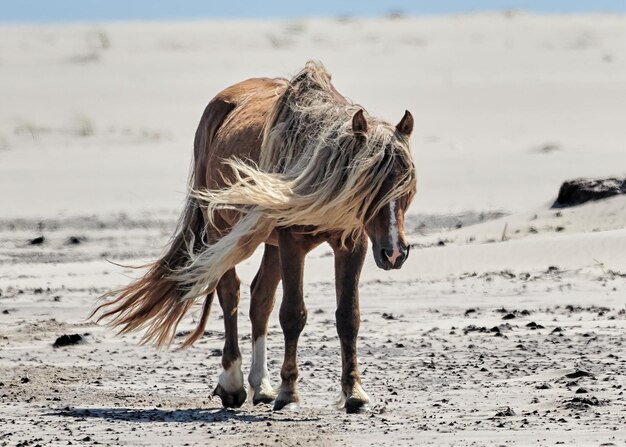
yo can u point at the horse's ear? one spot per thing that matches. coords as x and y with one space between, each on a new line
359 124
405 126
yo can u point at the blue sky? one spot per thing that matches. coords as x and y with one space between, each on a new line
98 10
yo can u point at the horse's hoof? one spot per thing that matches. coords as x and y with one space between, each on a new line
353 401
355 405
263 398
287 400
230 400
283 405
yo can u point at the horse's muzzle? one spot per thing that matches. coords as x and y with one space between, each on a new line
389 258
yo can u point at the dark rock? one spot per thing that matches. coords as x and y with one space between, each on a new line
67 340
581 403
474 328
37 241
578 191
578 373
507 274
504 412
509 316
581 391
75 240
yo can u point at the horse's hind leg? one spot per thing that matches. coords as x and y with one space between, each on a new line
262 296
230 384
348 264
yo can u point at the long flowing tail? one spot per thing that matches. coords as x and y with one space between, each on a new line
189 269
157 300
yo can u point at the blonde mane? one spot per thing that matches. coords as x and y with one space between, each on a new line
313 172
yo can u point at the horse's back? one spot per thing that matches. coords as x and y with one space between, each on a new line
232 126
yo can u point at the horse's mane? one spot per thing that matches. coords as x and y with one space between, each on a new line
314 171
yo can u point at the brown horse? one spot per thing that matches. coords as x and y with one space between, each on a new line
291 164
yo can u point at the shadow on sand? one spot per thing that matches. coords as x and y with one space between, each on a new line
183 415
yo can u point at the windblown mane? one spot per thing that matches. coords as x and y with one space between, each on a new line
313 170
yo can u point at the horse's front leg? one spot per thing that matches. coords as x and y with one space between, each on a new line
292 312
348 264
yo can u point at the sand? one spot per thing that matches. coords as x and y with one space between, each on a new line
505 314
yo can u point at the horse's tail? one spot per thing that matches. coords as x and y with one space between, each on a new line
158 300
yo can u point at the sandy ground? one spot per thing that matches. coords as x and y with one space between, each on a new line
443 352
505 327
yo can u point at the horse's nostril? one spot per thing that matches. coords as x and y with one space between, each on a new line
395 257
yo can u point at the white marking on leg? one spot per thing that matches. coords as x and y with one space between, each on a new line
393 233
356 393
259 376
231 379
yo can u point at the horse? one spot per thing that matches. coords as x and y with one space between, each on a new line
290 164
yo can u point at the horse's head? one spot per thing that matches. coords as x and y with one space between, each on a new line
385 223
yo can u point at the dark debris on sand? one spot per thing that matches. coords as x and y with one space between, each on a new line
37 241
505 412
75 240
582 403
581 190
67 340
578 373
